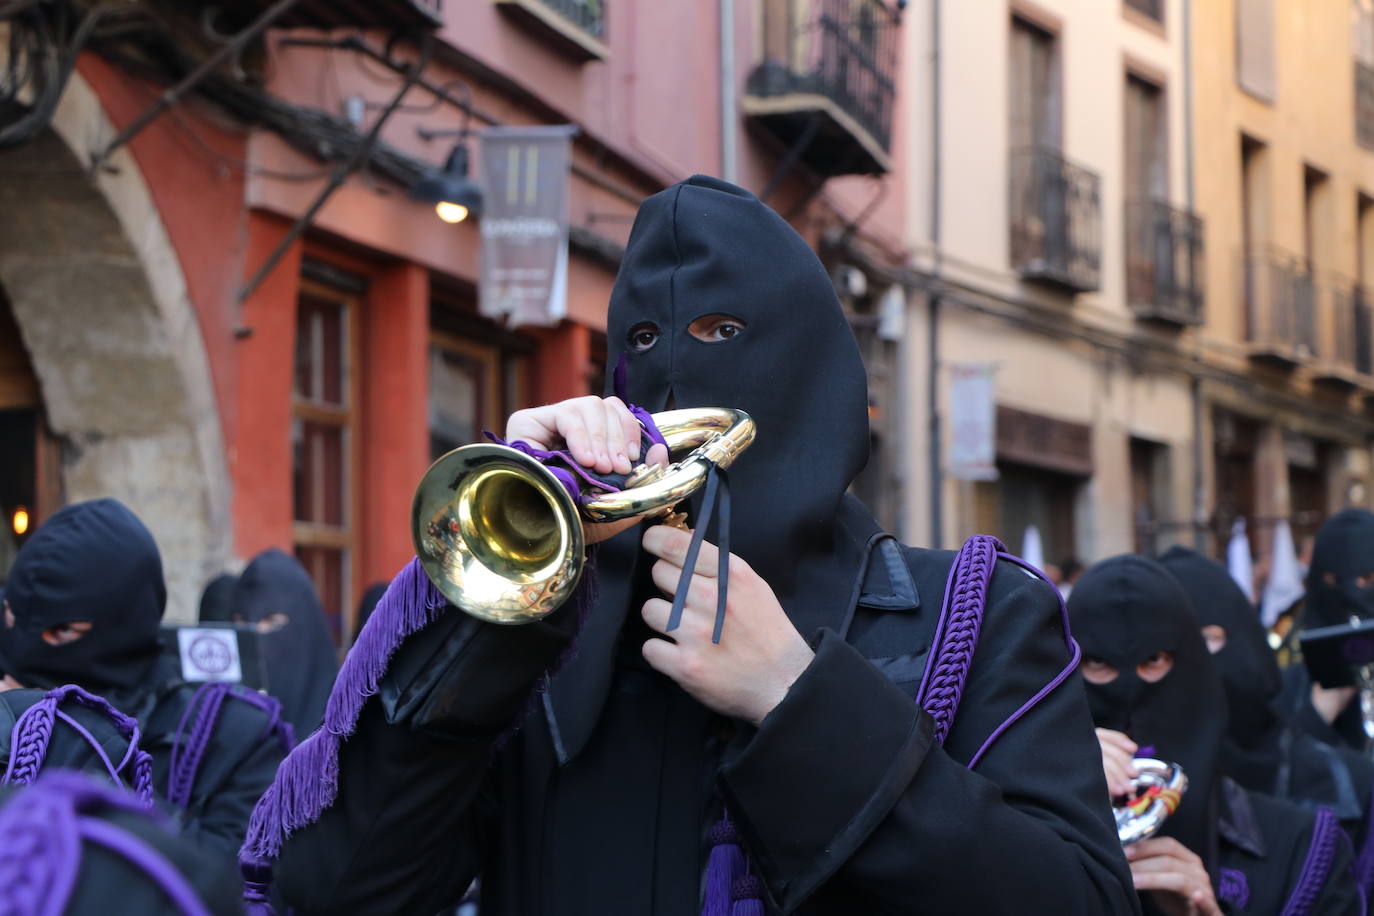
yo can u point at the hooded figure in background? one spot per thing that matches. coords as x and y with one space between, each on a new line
366 605
216 601
276 593
1150 677
1340 586
83 606
605 793
1262 751
71 845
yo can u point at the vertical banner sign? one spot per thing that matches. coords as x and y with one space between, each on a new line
525 224
973 422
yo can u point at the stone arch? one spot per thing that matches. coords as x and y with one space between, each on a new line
103 310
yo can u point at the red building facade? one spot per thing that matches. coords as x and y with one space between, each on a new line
308 409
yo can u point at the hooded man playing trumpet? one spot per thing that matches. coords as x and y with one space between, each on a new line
809 762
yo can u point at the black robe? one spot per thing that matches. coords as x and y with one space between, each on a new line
1284 855
846 804
1265 750
67 749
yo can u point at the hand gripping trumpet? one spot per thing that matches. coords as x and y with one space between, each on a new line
501 536
1155 794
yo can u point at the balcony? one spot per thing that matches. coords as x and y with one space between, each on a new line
1279 303
392 15
1344 360
826 84
1164 264
1364 104
576 27
1056 220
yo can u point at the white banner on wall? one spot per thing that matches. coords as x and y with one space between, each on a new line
972 421
525 224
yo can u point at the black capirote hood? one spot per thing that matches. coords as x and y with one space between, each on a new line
706 247
214 601
1247 665
300 657
93 562
1342 555
1123 611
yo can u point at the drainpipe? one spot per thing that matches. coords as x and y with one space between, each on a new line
729 113
1199 451
937 515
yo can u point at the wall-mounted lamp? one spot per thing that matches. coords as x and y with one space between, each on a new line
455 196
20 521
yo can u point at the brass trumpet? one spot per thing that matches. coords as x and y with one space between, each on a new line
502 538
1155 794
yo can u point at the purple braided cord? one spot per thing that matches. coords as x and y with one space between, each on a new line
188 749
1317 868
956 634
1234 888
32 735
1364 863
41 832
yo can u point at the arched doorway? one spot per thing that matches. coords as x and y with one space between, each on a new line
100 310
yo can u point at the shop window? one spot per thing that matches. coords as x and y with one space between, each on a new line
478 377
322 440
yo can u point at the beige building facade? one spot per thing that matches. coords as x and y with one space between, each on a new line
1077 224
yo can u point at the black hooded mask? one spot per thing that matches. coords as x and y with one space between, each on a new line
215 600
1124 611
93 562
1250 672
706 247
1342 555
300 658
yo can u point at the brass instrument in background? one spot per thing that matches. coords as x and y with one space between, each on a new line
503 539
1156 794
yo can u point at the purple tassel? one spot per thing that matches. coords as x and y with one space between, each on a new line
257 887
725 865
746 897
307 781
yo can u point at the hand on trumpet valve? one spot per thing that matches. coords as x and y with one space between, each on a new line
600 433
1118 756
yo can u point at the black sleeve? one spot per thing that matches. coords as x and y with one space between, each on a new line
404 834
899 823
245 760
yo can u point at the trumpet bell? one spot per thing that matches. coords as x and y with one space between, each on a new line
497 534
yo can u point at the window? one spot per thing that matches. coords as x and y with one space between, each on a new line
1363 40
322 444
1035 91
1152 9
1146 159
1255 70
478 376
1148 488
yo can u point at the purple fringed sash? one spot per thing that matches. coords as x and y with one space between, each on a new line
307 781
32 735
43 828
190 744
1316 869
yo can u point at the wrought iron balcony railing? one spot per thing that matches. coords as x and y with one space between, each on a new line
827 82
576 26
1279 301
1164 263
1346 336
1056 220
328 14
